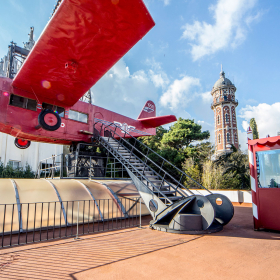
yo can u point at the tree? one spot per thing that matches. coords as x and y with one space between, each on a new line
175 144
201 152
9 172
154 142
193 170
236 173
254 128
183 133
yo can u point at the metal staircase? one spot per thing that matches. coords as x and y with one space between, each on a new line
162 186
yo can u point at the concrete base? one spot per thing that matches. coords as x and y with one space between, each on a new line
212 229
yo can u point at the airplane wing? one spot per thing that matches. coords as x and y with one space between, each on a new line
158 121
81 42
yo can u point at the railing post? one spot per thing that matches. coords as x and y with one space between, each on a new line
140 212
61 166
77 235
53 166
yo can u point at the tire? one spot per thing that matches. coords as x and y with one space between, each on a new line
49 120
21 143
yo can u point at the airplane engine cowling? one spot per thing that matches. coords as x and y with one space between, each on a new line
21 143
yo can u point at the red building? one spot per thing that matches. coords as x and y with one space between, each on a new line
224 104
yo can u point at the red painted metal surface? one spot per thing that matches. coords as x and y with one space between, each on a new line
22 142
148 111
269 141
23 123
50 119
267 199
157 121
81 42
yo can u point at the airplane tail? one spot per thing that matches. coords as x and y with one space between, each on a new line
148 111
149 119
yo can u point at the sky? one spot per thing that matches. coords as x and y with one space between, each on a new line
177 63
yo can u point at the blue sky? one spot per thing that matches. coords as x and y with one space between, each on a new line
179 60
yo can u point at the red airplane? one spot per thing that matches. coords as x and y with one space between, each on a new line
80 43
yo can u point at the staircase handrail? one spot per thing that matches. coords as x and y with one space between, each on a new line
149 149
142 175
149 168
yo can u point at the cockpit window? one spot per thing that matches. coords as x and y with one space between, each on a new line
23 102
57 109
78 116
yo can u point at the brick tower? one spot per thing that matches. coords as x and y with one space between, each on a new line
224 104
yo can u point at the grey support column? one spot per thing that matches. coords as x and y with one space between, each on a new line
60 200
18 205
89 192
115 197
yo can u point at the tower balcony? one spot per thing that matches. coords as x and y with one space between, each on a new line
223 100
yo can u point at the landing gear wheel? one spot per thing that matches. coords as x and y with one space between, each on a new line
22 144
49 120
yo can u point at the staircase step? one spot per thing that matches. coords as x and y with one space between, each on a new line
173 198
168 192
156 181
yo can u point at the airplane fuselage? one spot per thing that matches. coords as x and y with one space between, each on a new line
19 111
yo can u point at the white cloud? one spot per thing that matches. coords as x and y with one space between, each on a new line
242 139
160 79
267 118
124 92
229 28
120 70
206 97
254 18
157 75
177 93
205 123
166 2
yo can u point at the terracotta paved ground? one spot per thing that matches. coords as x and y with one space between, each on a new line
237 252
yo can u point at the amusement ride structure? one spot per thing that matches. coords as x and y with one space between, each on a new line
80 43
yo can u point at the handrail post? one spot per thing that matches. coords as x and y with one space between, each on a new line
53 164
140 212
61 166
77 235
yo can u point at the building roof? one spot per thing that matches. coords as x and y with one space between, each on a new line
223 81
265 141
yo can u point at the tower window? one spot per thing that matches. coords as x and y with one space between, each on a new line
235 136
217 99
227 118
219 138
225 97
218 119
228 137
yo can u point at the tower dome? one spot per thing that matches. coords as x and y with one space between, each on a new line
223 81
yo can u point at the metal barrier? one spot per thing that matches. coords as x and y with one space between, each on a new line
34 222
56 166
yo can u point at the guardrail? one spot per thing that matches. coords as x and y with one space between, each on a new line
57 166
25 223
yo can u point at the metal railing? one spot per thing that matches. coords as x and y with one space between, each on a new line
163 168
25 223
224 100
57 166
